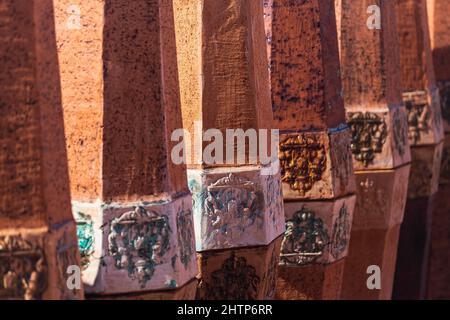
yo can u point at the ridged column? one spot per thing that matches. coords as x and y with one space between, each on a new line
439 273
38 246
316 165
121 103
238 208
381 152
421 99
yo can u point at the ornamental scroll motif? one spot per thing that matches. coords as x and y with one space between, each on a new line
271 276
419 114
85 235
369 134
400 128
445 167
444 89
341 233
185 236
23 269
303 162
305 240
138 241
232 205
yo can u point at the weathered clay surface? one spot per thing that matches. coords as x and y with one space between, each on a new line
381 198
121 101
425 171
311 282
236 208
415 50
420 94
439 24
223 42
439 276
411 272
305 76
315 156
239 274
119 97
426 128
37 232
369 57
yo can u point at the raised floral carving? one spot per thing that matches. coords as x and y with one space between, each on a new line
138 241
419 114
303 161
185 236
369 133
232 205
400 127
341 233
445 166
305 239
444 89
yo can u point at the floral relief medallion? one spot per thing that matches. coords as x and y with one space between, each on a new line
232 205
369 134
138 241
419 114
305 239
303 162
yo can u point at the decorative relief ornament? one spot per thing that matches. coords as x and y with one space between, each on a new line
341 233
445 167
185 236
235 280
303 161
138 241
274 202
444 88
369 134
436 106
372 199
232 205
23 269
271 276
342 159
305 239
400 127
85 235
418 114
